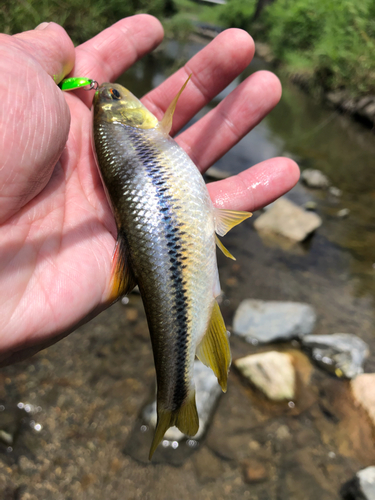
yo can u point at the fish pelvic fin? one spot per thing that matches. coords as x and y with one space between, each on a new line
225 220
185 419
214 350
225 251
122 277
166 123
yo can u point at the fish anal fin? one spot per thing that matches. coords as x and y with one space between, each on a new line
225 251
214 350
225 220
185 419
122 277
166 123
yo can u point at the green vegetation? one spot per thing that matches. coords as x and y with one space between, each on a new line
332 42
81 18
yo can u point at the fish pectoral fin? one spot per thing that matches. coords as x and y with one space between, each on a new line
122 277
185 419
225 220
166 123
225 251
214 350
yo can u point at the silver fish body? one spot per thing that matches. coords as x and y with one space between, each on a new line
166 245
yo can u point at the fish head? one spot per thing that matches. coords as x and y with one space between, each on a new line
114 103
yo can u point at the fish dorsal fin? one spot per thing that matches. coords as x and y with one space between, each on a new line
185 418
225 251
214 349
225 220
166 123
122 277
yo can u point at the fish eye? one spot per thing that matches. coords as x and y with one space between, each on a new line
115 94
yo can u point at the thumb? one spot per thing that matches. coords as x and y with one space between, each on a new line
34 117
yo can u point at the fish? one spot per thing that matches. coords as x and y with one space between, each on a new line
167 230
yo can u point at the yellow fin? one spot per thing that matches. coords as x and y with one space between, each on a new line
214 350
185 418
225 251
226 219
122 278
166 122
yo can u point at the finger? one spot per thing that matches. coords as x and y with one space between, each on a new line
34 117
212 69
219 130
114 50
51 46
256 187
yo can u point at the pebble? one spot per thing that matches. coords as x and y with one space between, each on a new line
217 173
253 471
343 213
341 353
315 179
259 321
361 487
271 372
334 191
287 219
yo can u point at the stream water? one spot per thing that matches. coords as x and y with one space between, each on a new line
70 417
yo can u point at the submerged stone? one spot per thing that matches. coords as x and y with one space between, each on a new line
315 178
259 321
207 391
271 372
287 219
340 353
361 487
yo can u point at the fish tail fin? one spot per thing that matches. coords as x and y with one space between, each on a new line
122 277
214 350
185 419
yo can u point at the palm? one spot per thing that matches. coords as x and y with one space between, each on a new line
57 242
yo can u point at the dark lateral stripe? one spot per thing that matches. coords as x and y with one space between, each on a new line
149 158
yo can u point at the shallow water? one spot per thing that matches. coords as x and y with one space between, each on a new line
80 437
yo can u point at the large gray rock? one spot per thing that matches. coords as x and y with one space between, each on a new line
315 178
259 321
271 372
341 353
288 219
207 391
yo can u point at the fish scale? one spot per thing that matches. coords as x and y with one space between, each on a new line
166 245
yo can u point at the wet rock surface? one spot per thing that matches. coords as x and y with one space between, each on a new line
271 372
260 321
340 353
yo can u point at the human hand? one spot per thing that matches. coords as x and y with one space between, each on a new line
57 233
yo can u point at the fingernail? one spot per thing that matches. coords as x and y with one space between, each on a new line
42 26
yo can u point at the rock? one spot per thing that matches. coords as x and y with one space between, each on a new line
361 487
289 220
253 471
315 179
311 205
271 372
343 213
334 191
363 389
341 353
207 391
366 479
259 321
207 466
336 97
